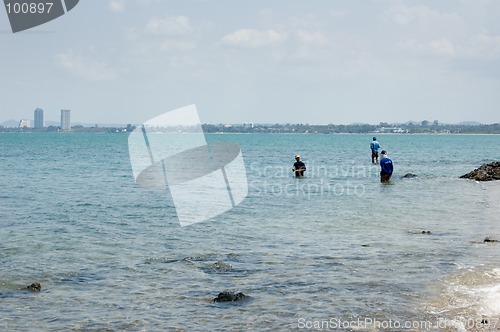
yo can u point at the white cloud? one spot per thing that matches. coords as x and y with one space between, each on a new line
442 47
412 45
419 15
312 38
174 26
423 30
267 12
485 46
339 13
251 38
117 6
404 15
167 39
84 68
147 2
153 48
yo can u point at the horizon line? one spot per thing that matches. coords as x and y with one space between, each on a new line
430 123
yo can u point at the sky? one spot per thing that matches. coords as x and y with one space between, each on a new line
273 61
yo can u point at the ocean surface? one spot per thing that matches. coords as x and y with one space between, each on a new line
335 250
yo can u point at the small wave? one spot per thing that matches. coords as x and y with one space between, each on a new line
468 300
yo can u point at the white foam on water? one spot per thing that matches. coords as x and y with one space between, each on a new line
489 300
481 290
467 299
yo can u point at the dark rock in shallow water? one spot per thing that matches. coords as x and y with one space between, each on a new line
487 172
488 239
36 287
229 297
419 231
409 176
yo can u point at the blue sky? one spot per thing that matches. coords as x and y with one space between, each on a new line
275 61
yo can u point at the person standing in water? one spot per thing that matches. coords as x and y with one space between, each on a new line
374 146
298 167
386 167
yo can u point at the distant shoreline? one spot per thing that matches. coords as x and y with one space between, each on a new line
14 131
250 128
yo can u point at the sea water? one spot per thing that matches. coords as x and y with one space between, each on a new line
335 250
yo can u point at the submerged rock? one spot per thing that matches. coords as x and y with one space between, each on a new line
409 176
221 266
487 172
419 231
229 297
488 239
217 267
36 287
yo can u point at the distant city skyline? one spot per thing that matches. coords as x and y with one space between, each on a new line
12 123
273 61
65 122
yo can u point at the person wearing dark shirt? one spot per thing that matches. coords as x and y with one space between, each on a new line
374 146
386 167
298 167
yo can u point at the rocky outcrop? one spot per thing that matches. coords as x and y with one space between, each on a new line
36 287
229 297
487 172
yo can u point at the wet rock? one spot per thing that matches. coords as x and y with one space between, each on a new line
419 231
221 266
409 176
36 287
488 239
487 172
217 267
229 297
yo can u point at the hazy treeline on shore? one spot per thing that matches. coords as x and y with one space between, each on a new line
411 128
424 127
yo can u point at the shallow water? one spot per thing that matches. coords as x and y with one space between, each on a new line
319 252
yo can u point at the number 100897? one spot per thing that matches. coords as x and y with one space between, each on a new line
29 8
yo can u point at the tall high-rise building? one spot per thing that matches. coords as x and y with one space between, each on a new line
65 120
38 117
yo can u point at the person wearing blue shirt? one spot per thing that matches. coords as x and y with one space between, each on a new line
386 167
298 167
374 146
